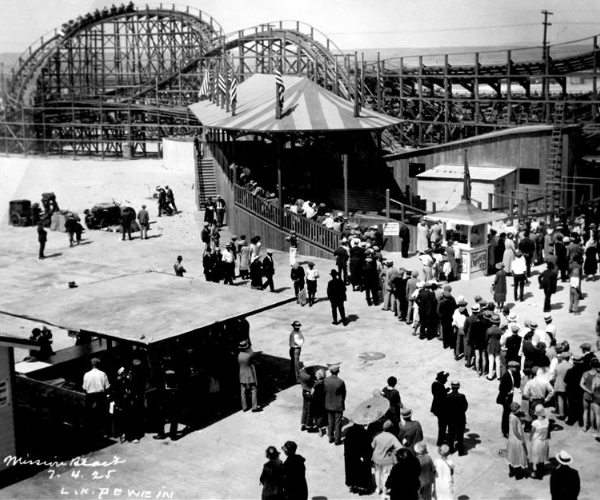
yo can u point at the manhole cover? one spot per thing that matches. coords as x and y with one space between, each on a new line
371 356
501 452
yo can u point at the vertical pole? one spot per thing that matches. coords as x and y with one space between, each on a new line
387 203
526 202
345 158
279 185
490 202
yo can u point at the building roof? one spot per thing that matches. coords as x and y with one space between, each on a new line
457 172
467 214
307 107
143 308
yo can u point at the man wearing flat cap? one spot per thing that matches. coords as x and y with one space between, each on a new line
508 382
144 220
456 404
336 293
438 405
411 431
335 398
248 380
296 341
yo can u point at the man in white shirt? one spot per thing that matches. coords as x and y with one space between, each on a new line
95 385
228 258
296 342
519 270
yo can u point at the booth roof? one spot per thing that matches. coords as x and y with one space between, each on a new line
143 308
307 107
467 214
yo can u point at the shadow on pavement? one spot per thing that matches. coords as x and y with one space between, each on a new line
52 255
471 441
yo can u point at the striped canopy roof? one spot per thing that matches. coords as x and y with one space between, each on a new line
308 107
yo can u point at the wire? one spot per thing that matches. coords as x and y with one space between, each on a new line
400 32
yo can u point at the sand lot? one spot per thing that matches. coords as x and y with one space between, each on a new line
224 460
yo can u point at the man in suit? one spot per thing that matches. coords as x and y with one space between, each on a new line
405 237
445 309
438 405
268 268
456 404
427 312
508 382
564 480
248 381
335 397
336 293
547 281
144 220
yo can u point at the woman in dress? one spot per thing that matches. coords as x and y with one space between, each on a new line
244 251
294 473
590 268
384 445
357 459
499 286
444 475
255 264
540 448
272 476
516 452
427 476
509 253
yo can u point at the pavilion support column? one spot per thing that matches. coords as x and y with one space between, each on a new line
345 159
279 185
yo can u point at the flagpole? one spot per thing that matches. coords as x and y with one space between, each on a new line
356 112
362 79
378 83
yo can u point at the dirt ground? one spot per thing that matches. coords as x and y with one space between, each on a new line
224 460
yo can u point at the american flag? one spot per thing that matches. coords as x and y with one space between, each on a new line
233 91
222 84
280 86
467 180
205 87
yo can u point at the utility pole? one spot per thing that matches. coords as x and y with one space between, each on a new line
546 58
546 24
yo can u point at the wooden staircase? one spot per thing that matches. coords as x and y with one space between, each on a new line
554 170
207 184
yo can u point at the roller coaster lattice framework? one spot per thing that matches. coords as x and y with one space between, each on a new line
114 82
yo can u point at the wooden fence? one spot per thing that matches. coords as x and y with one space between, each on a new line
286 220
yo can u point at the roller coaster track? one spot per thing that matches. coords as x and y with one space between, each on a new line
39 54
151 60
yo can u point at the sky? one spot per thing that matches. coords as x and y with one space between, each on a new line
350 24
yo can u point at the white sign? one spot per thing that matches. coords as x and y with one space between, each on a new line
391 229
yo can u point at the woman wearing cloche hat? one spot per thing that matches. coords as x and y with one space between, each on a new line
540 448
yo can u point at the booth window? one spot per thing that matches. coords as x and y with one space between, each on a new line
415 169
529 176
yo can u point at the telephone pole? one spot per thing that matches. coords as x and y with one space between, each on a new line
546 24
546 58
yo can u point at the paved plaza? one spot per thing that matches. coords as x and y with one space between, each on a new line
224 460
